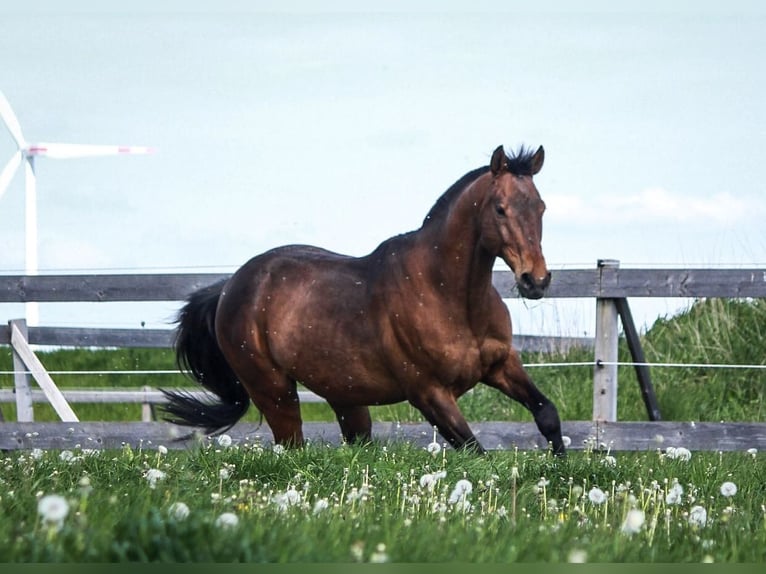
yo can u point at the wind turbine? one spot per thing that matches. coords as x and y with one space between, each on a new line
27 152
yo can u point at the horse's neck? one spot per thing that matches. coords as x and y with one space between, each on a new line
458 261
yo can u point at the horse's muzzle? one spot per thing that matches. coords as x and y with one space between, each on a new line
531 287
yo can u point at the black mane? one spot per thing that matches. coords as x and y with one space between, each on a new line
518 163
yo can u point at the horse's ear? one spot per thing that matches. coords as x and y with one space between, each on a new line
537 160
499 160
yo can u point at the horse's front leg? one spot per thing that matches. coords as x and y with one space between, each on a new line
440 408
512 380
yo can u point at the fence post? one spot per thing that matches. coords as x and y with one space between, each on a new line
24 410
605 370
146 407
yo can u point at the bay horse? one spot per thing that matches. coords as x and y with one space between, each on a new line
416 320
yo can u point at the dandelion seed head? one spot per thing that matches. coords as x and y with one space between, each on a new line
53 509
153 476
596 495
321 505
577 556
178 511
223 440
227 520
728 489
634 520
697 516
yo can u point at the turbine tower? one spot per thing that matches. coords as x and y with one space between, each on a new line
27 152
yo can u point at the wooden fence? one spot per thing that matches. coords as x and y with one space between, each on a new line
607 283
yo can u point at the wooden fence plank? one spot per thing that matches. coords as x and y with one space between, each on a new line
565 283
615 436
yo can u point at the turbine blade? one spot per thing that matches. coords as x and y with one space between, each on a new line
11 121
66 151
9 171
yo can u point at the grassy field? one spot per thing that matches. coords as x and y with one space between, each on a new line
399 503
380 503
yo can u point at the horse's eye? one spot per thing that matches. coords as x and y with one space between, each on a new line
499 210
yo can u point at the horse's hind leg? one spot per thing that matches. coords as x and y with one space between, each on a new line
276 397
355 423
511 379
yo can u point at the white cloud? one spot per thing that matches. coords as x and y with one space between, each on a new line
654 204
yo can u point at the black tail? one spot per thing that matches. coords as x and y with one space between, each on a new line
198 354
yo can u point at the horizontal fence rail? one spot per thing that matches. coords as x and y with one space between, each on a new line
611 283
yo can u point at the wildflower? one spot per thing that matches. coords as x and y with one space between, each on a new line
434 448
462 489
429 480
37 453
609 460
697 516
66 455
577 556
379 556
278 449
634 520
227 520
53 509
162 449
357 550
153 476
320 505
178 511
566 440
674 494
752 452
224 440
728 489
596 495
284 500
224 473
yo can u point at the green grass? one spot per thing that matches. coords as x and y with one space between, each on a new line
378 509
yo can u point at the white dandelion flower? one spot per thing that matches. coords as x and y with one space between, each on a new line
178 511
320 505
674 494
609 460
434 448
577 556
53 509
566 440
728 489
429 480
227 520
278 449
223 440
634 520
697 516
224 473
596 495
153 476
462 489
379 556
36 453
752 452
66 455
162 449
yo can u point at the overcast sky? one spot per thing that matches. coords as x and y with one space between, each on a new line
274 124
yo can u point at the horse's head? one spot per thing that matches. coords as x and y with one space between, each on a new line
512 219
